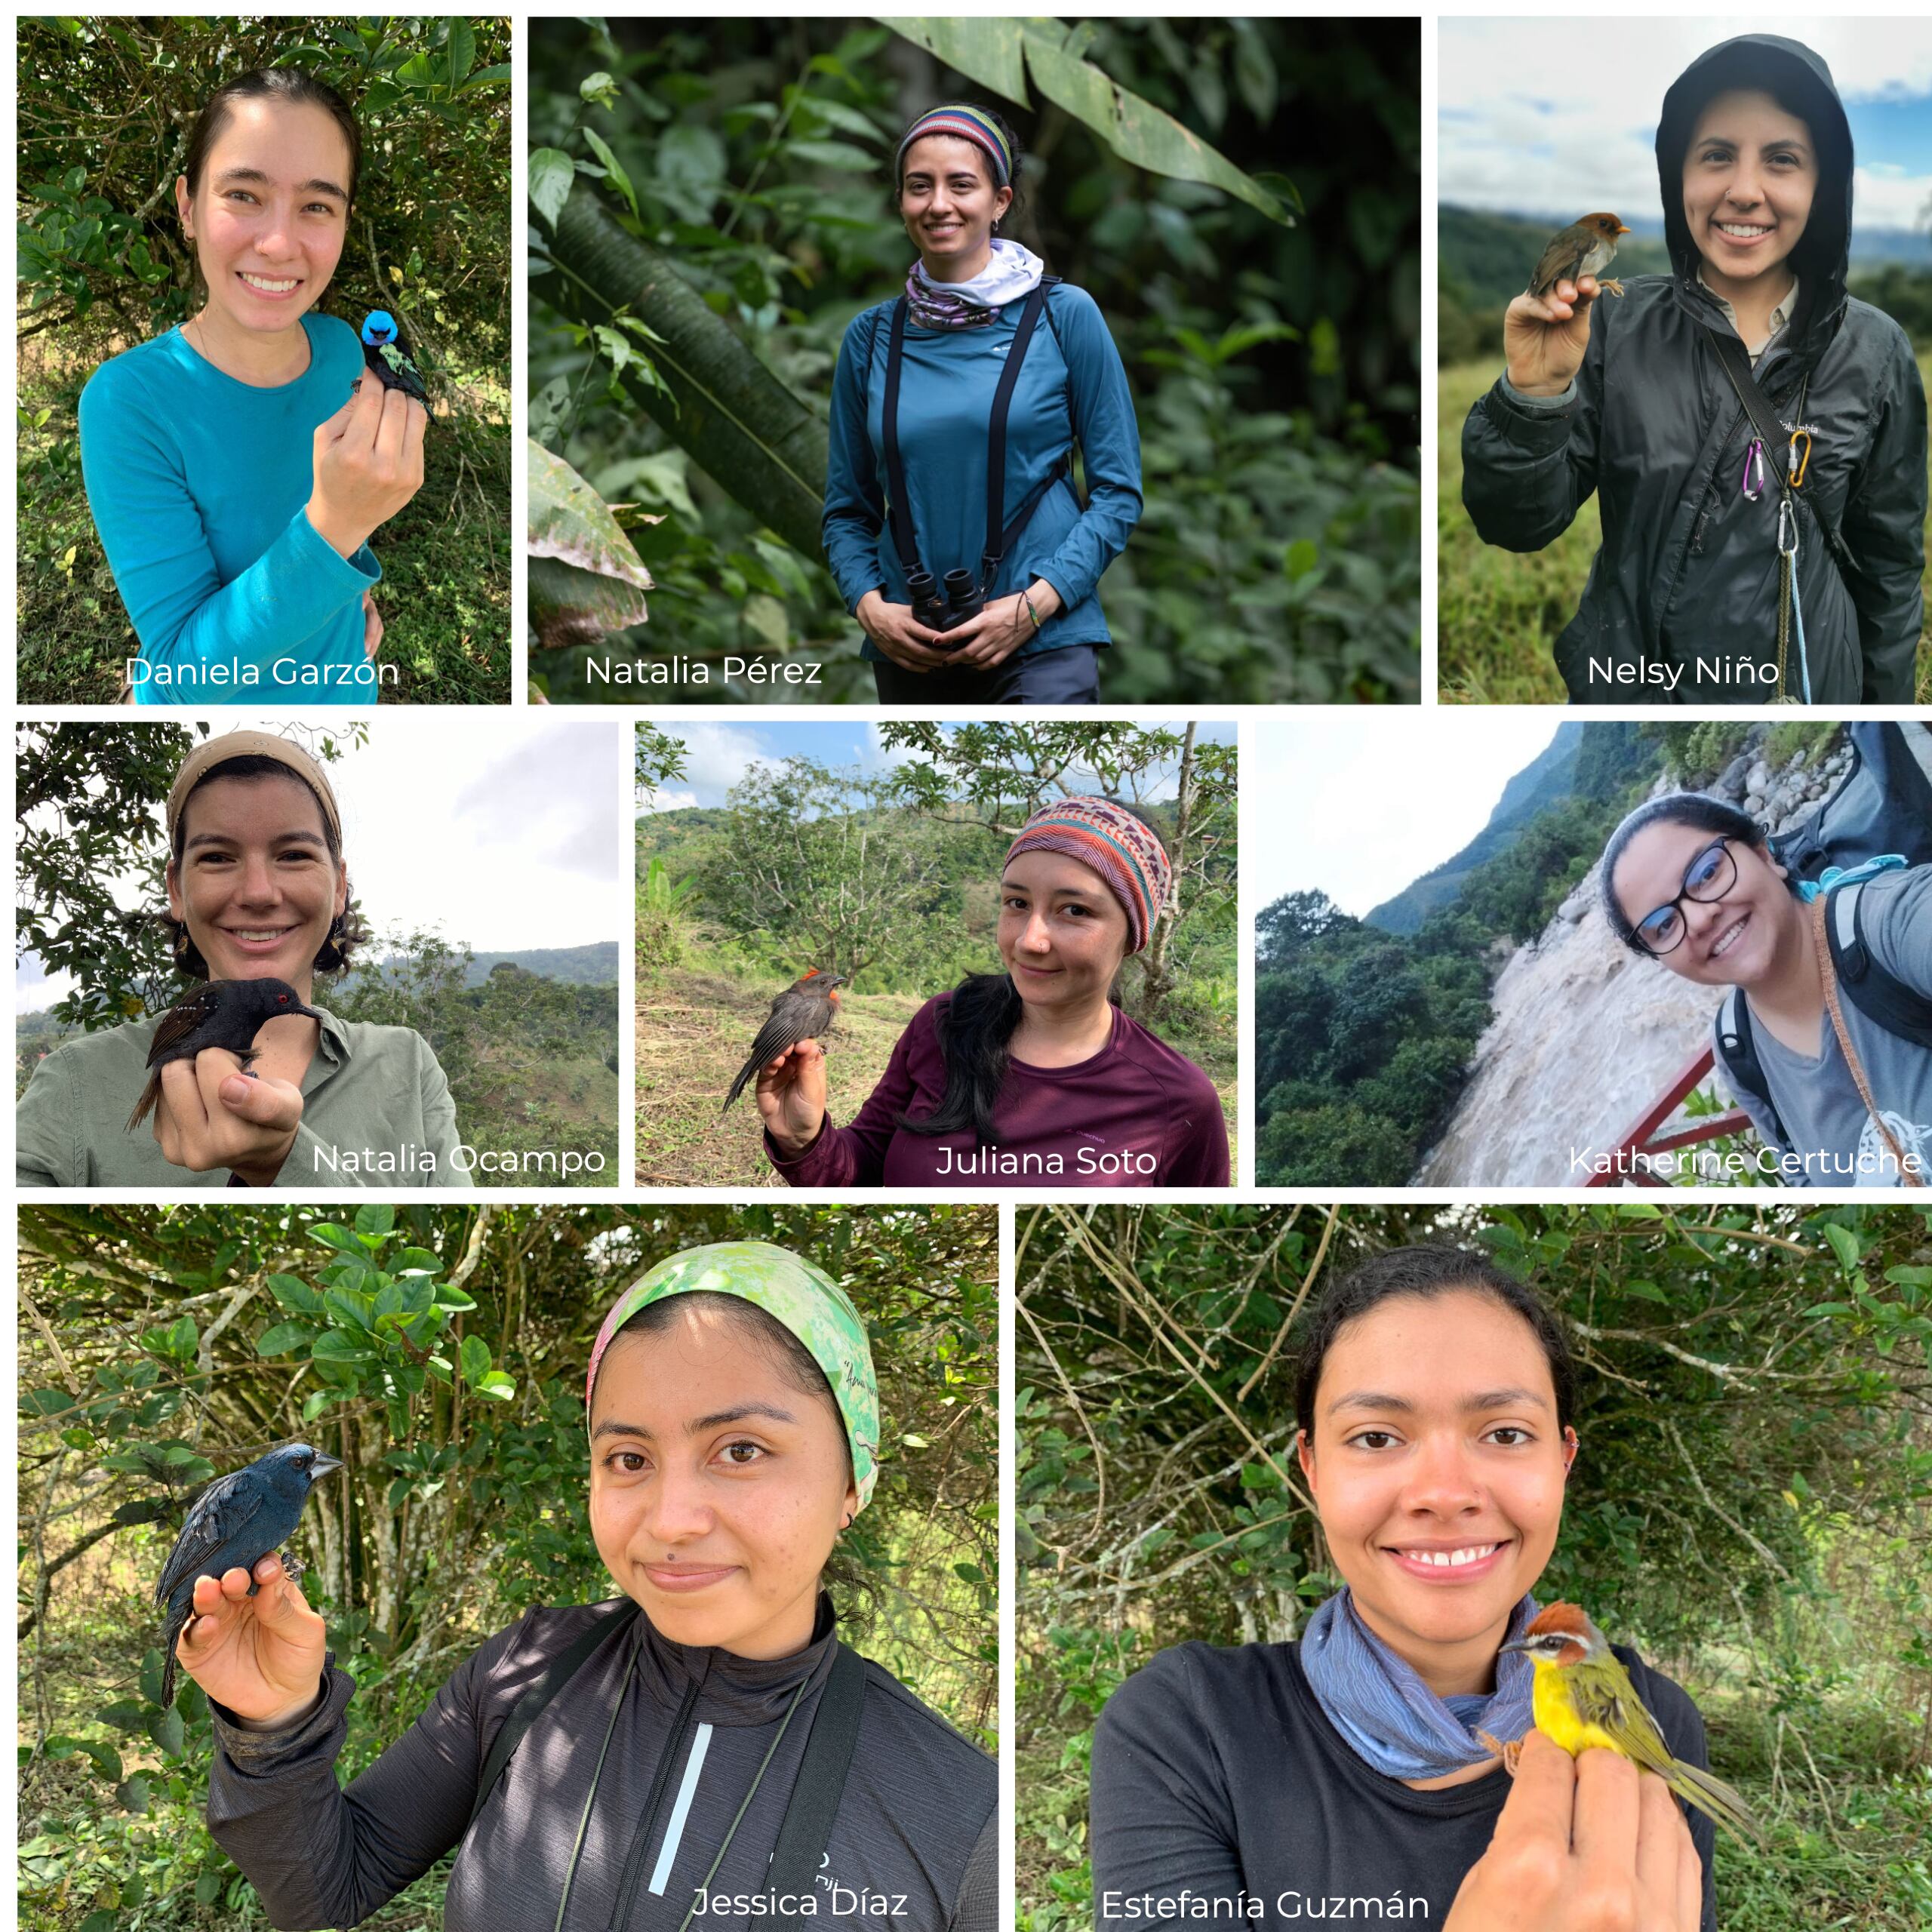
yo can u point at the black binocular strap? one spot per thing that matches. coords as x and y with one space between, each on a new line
806 1829
1000 533
530 1706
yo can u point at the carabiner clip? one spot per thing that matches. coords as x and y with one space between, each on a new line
1799 461
1787 527
1754 467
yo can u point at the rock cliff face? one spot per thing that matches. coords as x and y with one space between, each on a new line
1585 1034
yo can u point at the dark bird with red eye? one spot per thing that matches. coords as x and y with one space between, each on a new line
223 1013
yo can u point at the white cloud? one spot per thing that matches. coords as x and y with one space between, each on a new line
662 801
717 754
1559 114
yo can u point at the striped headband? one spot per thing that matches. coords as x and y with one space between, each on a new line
1110 840
969 123
801 1297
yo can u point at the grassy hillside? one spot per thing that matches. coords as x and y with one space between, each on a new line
1498 613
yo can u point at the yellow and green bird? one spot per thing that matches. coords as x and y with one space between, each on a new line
1584 1700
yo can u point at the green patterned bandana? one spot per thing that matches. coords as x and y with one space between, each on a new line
804 1299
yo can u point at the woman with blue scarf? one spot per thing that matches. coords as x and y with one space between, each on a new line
1347 1775
952 523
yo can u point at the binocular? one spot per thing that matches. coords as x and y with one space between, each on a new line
962 598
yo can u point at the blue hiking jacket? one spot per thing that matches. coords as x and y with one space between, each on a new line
1073 387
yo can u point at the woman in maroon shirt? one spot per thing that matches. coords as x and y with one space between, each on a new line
1032 1077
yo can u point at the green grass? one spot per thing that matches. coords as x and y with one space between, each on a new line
1498 614
445 597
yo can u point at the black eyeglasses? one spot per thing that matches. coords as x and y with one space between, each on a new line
1709 876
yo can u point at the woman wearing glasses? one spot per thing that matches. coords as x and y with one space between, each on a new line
1692 882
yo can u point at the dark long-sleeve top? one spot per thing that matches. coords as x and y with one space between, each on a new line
1215 1772
916 1825
1137 1114
1073 387
199 485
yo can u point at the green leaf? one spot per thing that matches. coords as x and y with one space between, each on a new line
132 1796
599 89
48 1402
415 1261
378 1218
167 1729
969 1573
151 1667
604 576
462 58
285 1338
1844 1245
474 1358
296 1294
496 1385
612 166
552 171
317 1403
347 1306
841 156
1302 556
105 1921
339 1238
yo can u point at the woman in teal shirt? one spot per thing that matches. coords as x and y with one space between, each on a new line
1038 638
234 472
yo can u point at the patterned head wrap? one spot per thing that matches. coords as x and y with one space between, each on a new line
969 123
803 1299
1114 843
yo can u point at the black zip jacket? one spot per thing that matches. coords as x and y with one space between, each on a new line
1681 606
915 1844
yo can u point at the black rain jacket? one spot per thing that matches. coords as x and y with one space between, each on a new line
1684 593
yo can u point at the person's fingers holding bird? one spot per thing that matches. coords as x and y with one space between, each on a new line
214 1113
260 1655
792 1094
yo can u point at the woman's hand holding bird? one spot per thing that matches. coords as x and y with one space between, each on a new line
261 1657
1584 1845
1544 337
792 1096
894 628
211 1115
368 463
1003 626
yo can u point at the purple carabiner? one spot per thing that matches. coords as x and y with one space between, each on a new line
1754 466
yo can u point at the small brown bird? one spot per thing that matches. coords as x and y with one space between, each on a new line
804 1011
222 1013
1585 247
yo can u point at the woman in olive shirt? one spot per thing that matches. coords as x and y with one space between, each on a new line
256 888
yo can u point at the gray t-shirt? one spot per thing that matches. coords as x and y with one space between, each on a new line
914 1845
1831 1140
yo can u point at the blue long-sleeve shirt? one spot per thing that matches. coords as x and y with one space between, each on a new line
198 483
1071 387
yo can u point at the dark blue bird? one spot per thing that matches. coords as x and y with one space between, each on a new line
388 360
235 1522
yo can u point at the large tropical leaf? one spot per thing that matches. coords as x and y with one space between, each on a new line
585 577
1000 54
743 428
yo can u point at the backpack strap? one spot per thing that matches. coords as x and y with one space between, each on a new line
530 1706
1738 1051
999 534
1884 999
806 1830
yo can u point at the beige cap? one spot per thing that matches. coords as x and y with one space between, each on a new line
251 744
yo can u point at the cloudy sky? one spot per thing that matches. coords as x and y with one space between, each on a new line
502 832
717 755
1359 803
1558 116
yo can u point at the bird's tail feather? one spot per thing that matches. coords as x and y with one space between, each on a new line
745 1073
1714 1796
144 1105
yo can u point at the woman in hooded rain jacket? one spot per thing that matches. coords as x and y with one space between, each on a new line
1631 399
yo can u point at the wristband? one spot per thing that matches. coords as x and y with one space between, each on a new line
1026 598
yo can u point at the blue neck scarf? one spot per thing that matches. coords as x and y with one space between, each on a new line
1808 889
1396 1724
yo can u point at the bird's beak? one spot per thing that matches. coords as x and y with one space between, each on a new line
1520 1643
321 1466
1622 229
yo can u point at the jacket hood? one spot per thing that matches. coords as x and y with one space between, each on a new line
1801 82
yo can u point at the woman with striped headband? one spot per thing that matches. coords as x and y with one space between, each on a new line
1033 1076
954 412
675 1757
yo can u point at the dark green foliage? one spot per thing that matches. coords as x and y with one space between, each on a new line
1748 1508
439 1351
106 106
1274 369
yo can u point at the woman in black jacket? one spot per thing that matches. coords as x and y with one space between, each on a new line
665 1761
1632 398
